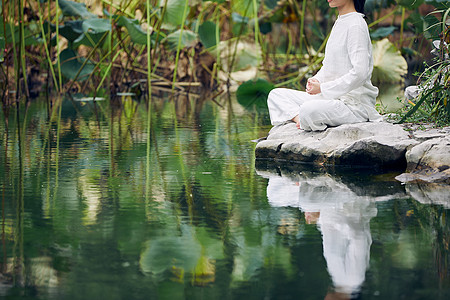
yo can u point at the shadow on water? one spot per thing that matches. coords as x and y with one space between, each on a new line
115 199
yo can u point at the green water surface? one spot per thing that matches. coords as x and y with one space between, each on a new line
115 201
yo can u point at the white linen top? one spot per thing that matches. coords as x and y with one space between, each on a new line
347 66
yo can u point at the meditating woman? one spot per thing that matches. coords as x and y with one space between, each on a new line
341 92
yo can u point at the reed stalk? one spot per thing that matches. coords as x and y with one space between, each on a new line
217 12
6 44
110 41
58 60
107 71
158 29
91 53
400 42
149 104
255 13
46 46
16 52
302 26
183 20
22 47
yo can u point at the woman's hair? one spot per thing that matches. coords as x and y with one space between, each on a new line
359 5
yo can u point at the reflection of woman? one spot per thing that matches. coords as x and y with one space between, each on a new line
342 216
341 92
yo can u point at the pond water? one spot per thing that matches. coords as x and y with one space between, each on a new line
115 201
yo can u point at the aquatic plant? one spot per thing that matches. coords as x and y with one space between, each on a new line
433 101
180 46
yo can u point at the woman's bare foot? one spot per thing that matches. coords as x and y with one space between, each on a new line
296 119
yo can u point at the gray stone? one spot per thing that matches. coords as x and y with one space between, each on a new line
429 161
374 144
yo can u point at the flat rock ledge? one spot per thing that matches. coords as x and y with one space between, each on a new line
423 153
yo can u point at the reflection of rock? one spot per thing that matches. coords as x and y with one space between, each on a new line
42 273
343 218
39 274
363 183
365 144
429 161
430 193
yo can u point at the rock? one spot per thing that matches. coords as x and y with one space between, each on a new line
425 132
428 161
412 92
370 144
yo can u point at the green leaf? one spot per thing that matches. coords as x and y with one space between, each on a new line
94 31
244 8
417 22
410 4
188 39
388 63
382 32
237 18
432 27
74 9
372 5
71 30
174 13
254 93
207 34
137 35
96 25
30 38
265 27
270 4
71 65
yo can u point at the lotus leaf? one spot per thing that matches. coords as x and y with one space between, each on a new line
188 39
389 64
74 9
137 35
410 4
243 55
174 13
93 32
207 33
71 30
9 27
244 7
382 32
71 65
254 92
89 39
96 25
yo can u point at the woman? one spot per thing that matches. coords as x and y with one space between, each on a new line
341 92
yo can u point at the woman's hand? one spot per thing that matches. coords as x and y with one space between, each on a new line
313 86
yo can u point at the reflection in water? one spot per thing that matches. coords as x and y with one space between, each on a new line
90 208
342 215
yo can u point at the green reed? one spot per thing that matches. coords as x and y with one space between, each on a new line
149 103
177 56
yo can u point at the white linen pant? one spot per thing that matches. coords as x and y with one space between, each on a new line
314 111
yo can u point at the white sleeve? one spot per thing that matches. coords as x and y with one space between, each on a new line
358 42
319 75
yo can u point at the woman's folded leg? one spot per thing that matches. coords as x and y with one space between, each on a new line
317 115
284 104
